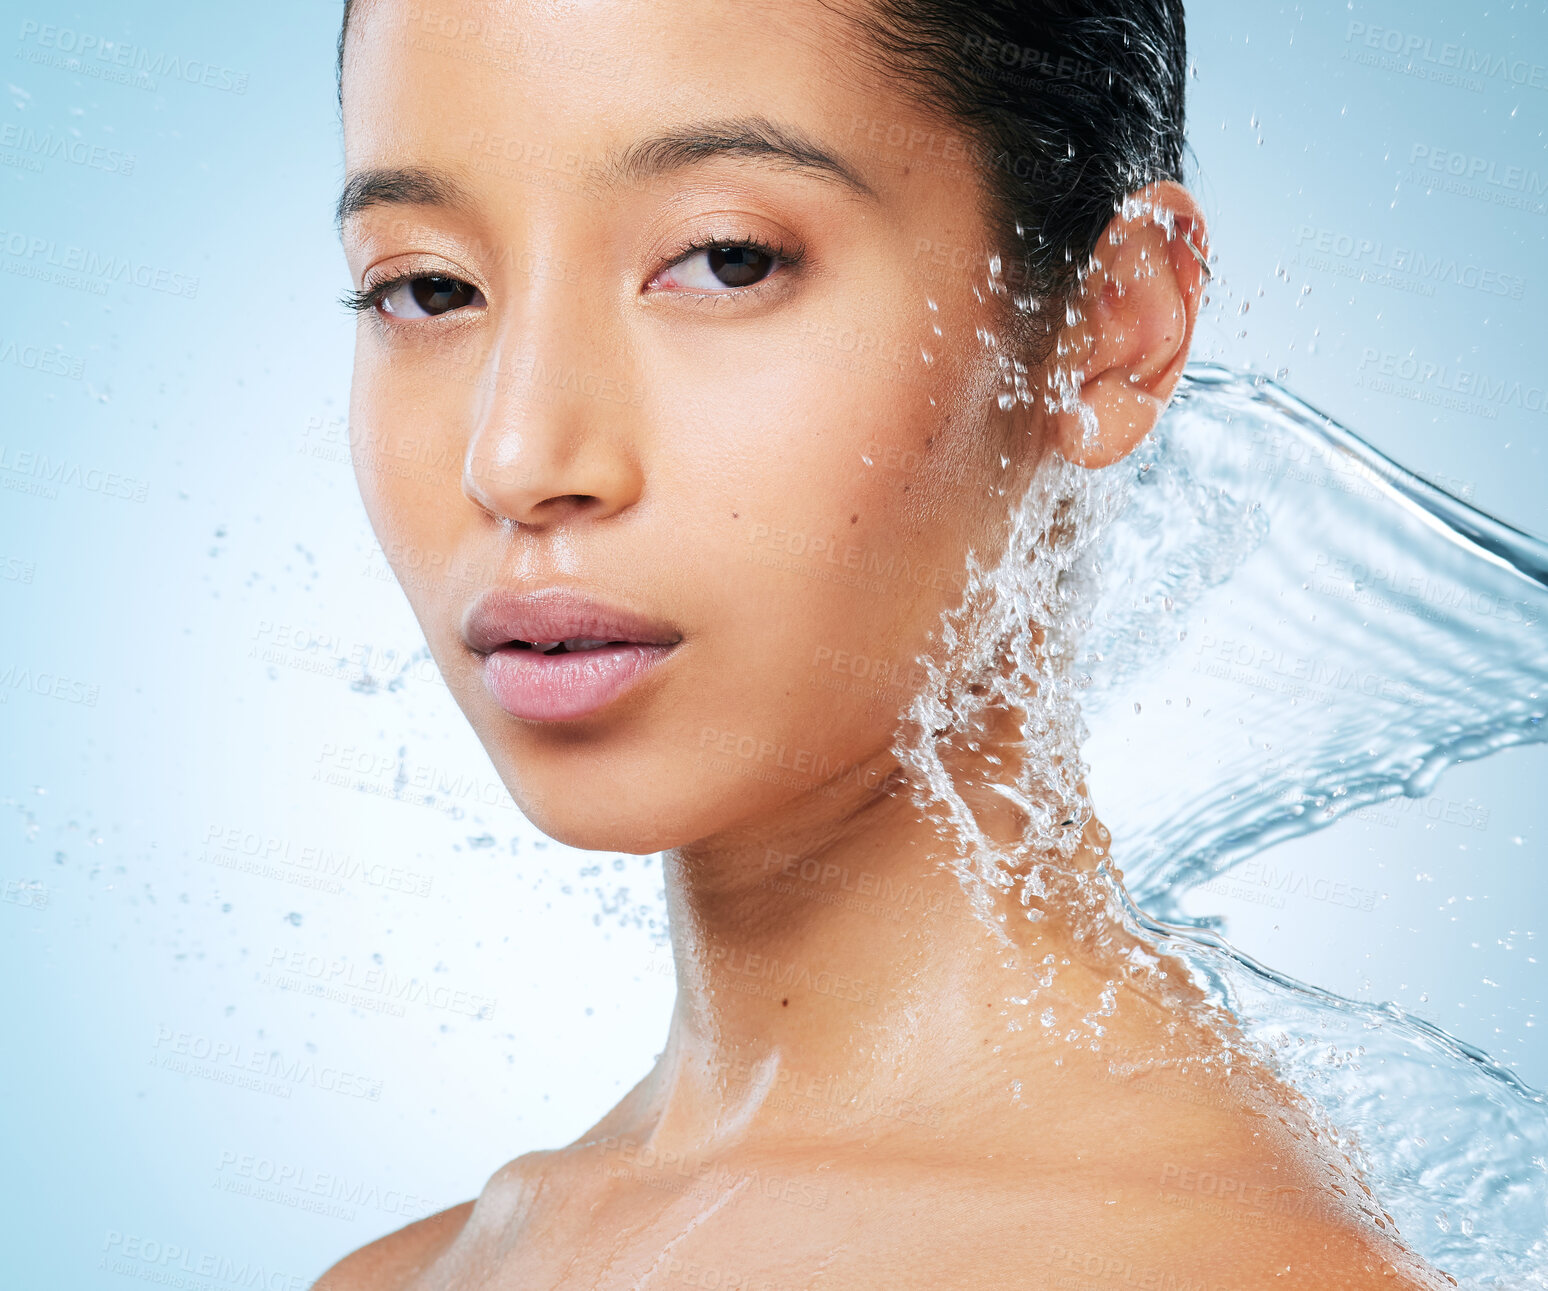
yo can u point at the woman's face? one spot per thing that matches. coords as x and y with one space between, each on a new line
695 341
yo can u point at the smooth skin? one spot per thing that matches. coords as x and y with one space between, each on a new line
600 411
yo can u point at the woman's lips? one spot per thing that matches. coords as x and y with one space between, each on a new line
607 650
561 687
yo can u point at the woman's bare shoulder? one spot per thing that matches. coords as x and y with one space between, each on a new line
393 1262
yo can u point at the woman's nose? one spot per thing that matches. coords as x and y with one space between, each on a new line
554 439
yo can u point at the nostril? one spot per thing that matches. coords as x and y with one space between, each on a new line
567 504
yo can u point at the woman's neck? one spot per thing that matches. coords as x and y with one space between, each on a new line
835 965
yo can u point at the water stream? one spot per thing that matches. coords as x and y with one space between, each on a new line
1272 625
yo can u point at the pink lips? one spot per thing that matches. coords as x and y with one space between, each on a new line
555 687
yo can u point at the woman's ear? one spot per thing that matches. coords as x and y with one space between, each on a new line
1118 364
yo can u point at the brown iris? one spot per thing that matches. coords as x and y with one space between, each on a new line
739 266
436 295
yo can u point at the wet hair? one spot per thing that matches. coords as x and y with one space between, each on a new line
1067 106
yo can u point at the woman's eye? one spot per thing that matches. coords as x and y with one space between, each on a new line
721 268
428 296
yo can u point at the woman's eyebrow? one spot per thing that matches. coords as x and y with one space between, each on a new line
754 137
401 186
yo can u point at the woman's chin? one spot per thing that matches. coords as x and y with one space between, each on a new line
575 825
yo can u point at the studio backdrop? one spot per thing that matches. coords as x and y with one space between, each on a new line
286 968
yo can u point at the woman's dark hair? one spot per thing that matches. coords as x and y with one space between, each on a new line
1069 106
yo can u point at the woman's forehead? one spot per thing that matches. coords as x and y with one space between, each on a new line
615 91
601 56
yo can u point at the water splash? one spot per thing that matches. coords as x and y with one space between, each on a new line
1330 631
1453 1145
1275 575
1266 624
1003 657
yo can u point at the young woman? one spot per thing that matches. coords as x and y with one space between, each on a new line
707 355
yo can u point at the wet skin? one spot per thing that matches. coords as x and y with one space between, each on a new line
752 450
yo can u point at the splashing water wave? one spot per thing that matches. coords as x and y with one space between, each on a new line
1343 629
1266 624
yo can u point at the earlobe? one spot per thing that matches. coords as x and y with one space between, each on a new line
1121 416
1123 358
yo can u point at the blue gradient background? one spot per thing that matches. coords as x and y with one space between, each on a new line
199 624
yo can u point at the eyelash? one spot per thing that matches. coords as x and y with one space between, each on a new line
788 257
368 298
